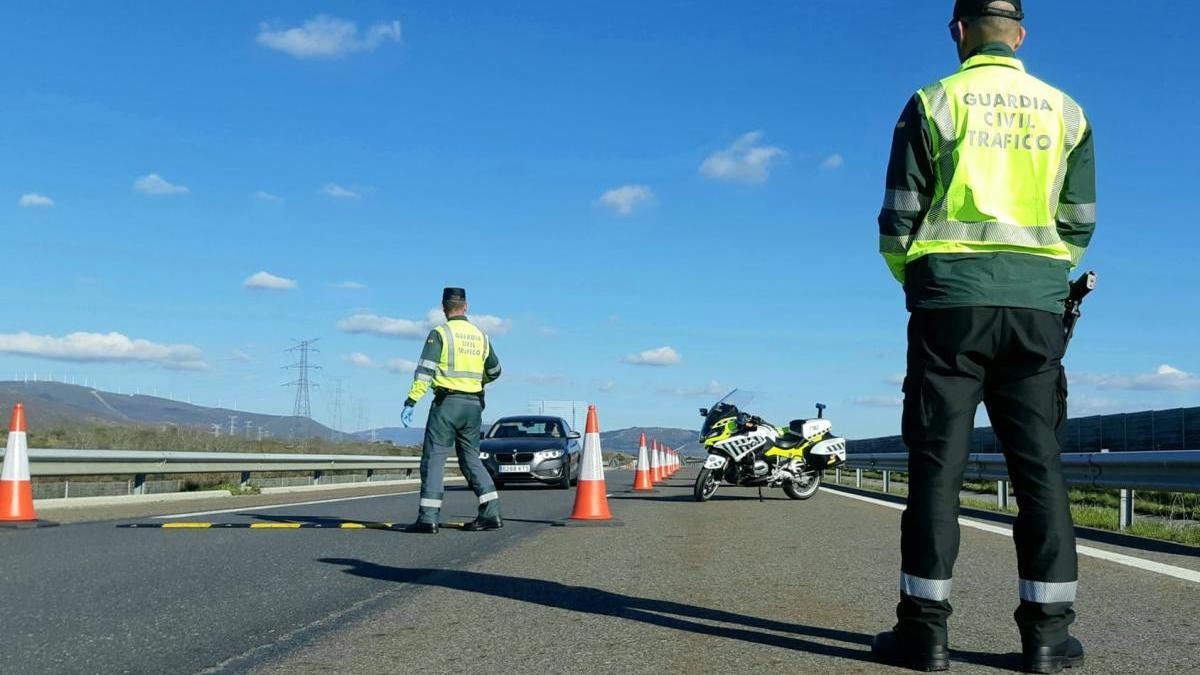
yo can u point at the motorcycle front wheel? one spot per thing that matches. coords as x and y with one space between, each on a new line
805 487
706 485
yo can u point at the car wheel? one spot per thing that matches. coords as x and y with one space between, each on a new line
564 483
575 480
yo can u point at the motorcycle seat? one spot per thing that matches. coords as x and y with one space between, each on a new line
788 441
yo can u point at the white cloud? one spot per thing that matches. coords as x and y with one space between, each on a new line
350 286
326 37
878 401
606 386
264 196
338 192
1085 406
663 356
745 161
268 282
713 388
834 161
155 185
626 199
359 359
113 347
1164 378
896 379
385 326
34 199
240 356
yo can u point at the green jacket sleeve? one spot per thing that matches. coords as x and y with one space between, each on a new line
1076 219
909 187
431 355
491 366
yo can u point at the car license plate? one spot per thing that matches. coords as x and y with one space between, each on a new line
514 468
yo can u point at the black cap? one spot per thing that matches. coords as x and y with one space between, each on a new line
969 9
454 295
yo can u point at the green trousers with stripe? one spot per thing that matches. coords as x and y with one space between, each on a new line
453 425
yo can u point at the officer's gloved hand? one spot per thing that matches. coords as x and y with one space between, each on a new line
406 416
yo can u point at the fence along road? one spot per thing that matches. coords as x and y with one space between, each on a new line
681 587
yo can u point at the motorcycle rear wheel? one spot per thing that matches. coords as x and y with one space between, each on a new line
805 489
706 485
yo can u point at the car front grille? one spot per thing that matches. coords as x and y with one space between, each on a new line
520 457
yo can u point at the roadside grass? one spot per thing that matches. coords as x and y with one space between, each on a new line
1097 509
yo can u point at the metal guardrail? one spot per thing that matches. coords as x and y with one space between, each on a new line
141 463
60 462
1165 471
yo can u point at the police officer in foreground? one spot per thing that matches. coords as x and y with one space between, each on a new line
990 203
457 362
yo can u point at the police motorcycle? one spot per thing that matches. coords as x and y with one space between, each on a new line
747 451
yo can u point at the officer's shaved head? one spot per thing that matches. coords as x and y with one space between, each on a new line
454 307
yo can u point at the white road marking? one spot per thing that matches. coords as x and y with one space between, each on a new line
284 506
1119 558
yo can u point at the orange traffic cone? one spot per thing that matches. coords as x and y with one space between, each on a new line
641 479
591 492
655 465
16 489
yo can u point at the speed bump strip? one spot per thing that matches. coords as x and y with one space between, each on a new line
258 526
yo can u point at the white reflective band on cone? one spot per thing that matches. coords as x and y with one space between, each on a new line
431 503
643 459
16 457
1045 592
591 467
927 589
487 497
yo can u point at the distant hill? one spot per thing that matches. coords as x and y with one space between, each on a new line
54 404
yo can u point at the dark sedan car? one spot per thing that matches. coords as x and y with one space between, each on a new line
531 449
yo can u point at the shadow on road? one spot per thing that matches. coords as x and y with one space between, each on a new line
675 615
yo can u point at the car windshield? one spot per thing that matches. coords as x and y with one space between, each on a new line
527 429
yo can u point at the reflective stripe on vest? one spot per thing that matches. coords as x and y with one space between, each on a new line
1001 140
465 348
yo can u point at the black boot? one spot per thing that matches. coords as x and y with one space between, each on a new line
891 648
1047 659
481 523
422 528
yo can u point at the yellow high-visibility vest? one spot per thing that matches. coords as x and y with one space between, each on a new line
465 348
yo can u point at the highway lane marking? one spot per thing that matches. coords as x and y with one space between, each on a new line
284 506
275 526
1118 558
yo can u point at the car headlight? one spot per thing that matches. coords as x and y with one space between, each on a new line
547 454
485 455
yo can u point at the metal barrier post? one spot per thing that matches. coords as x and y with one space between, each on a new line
887 481
858 478
316 477
139 484
1002 494
66 489
837 476
245 482
1126 510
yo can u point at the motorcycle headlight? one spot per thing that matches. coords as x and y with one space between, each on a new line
548 454
485 455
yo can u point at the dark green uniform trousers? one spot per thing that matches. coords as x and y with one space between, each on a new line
1010 360
453 424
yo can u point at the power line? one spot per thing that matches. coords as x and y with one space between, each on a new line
302 409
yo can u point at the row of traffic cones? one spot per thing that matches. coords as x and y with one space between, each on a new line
654 465
591 495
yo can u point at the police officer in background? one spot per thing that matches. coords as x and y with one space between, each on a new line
990 203
457 362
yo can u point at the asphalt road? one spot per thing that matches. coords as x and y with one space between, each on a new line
734 585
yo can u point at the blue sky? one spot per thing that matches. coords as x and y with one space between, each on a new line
606 179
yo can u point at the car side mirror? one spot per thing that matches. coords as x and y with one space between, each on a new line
574 435
704 412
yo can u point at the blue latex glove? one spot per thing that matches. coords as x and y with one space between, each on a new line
406 416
